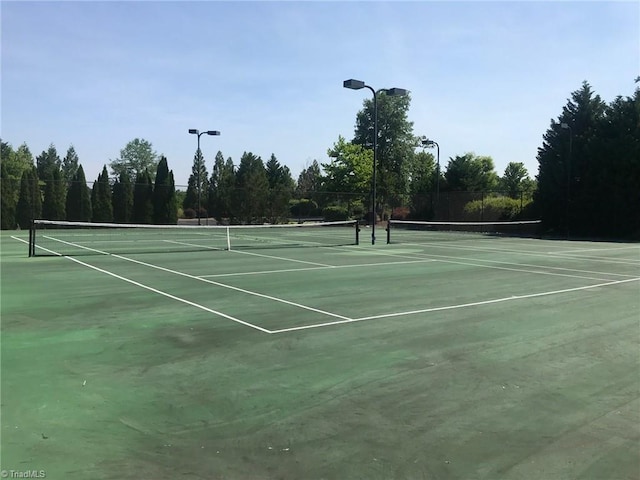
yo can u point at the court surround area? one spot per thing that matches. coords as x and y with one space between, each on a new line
437 356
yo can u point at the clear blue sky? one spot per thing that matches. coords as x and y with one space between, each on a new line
485 77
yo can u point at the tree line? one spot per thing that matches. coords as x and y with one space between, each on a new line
588 181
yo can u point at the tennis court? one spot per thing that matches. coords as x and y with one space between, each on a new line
302 355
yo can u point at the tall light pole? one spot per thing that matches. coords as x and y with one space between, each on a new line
566 126
426 143
357 85
193 131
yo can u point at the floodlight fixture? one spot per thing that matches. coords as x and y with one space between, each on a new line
396 92
353 84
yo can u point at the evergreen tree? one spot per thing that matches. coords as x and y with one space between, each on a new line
197 195
8 189
252 189
29 205
143 199
122 199
55 190
48 161
79 198
101 198
69 165
164 195
564 159
222 188
172 201
281 186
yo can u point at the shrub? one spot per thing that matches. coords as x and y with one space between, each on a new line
303 208
335 213
495 208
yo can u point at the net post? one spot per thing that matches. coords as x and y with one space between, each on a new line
228 238
388 231
357 224
32 239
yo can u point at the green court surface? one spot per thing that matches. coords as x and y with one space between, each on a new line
476 357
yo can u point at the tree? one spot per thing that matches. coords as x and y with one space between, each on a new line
197 194
347 177
561 172
143 199
136 157
55 193
350 168
222 187
78 203
9 191
281 186
69 164
17 161
471 173
605 180
395 143
309 181
422 183
515 180
252 189
29 205
101 198
48 161
165 208
122 198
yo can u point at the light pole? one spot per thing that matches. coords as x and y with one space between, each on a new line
357 85
426 143
566 126
193 131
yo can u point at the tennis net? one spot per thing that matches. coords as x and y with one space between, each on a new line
48 237
405 231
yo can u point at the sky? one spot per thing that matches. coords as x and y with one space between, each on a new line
484 77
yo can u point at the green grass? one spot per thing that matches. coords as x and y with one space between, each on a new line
104 379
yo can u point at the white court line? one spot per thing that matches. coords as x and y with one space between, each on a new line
343 319
537 266
154 290
283 258
597 249
330 267
456 261
519 252
212 282
249 253
231 287
451 307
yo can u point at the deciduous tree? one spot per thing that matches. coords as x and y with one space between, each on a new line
136 157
